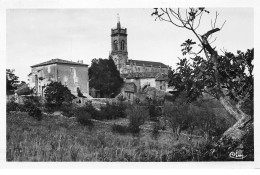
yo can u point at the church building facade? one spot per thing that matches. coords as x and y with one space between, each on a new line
137 74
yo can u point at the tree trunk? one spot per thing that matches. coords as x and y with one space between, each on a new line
240 129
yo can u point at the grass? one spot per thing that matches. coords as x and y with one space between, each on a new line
64 139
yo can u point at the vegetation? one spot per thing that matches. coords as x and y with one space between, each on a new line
107 77
137 115
11 81
113 111
65 139
83 117
228 78
56 94
29 106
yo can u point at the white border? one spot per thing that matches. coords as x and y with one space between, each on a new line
32 4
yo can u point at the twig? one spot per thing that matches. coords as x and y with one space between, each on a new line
199 22
213 41
223 25
216 20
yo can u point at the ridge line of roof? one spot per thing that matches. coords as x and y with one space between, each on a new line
58 60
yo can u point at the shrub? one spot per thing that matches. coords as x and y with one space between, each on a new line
177 117
137 116
33 110
119 129
155 131
11 106
113 111
83 117
153 113
68 109
95 114
56 93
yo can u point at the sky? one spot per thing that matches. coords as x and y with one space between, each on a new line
37 35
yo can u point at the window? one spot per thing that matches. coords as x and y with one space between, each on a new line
122 45
115 45
128 95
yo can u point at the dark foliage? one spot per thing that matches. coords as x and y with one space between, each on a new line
107 77
12 106
137 116
154 112
33 110
56 93
68 109
113 111
120 129
11 81
79 93
83 117
95 114
155 131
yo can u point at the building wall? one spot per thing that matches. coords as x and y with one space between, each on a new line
140 83
161 85
47 73
72 76
147 81
136 82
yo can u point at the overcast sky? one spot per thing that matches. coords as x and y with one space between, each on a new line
34 36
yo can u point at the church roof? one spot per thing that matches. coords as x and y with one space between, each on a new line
156 75
146 63
58 61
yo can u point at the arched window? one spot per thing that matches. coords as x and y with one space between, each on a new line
122 45
115 45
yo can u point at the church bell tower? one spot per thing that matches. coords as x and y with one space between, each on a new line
119 46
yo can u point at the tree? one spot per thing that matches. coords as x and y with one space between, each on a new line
227 78
56 93
11 81
105 77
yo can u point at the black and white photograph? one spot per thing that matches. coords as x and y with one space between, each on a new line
154 84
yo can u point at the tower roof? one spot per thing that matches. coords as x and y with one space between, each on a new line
118 22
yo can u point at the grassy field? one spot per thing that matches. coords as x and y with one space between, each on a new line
57 138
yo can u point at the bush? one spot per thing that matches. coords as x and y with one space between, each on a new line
11 106
33 110
68 109
155 131
119 129
95 114
83 117
137 116
113 111
153 113
56 93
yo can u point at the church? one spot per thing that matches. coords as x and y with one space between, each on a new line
120 55
137 74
